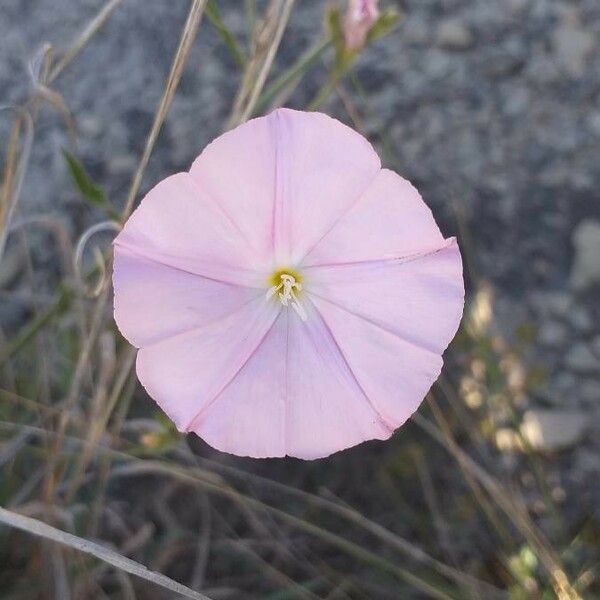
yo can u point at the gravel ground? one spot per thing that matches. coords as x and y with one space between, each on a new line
491 107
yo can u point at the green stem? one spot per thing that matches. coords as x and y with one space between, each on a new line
328 89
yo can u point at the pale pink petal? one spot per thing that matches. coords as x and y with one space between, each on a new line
389 221
419 298
295 396
185 372
327 409
286 178
238 170
394 374
248 417
392 320
178 225
154 301
323 167
382 290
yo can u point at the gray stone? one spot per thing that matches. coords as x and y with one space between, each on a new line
573 45
586 265
552 334
89 125
416 29
581 359
593 121
589 391
588 461
550 430
556 303
581 320
564 381
518 5
454 34
122 164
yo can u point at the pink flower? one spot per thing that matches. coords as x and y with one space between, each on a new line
360 17
288 295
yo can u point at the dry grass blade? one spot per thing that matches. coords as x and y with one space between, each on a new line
105 404
16 162
83 38
43 530
185 43
341 543
511 507
14 170
260 64
74 392
183 50
353 516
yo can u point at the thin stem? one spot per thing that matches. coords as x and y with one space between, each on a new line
181 56
83 38
292 75
259 65
43 530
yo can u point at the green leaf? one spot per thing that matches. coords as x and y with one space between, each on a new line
90 191
214 16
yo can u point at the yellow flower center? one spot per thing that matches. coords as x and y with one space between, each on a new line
286 285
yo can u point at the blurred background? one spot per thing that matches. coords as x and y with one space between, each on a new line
492 110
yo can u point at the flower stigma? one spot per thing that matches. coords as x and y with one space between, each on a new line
287 285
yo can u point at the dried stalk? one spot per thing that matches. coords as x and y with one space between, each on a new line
181 56
41 529
258 68
511 507
14 171
83 38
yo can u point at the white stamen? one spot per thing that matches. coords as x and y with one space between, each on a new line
287 295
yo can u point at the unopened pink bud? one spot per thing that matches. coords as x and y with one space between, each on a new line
360 17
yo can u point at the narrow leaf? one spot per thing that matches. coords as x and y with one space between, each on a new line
214 16
90 191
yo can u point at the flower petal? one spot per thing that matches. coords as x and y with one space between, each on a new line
180 226
392 320
389 221
154 301
419 299
286 178
248 416
394 374
238 171
295 396
186 372
327 410
323 167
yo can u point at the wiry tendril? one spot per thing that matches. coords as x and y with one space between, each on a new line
96 289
